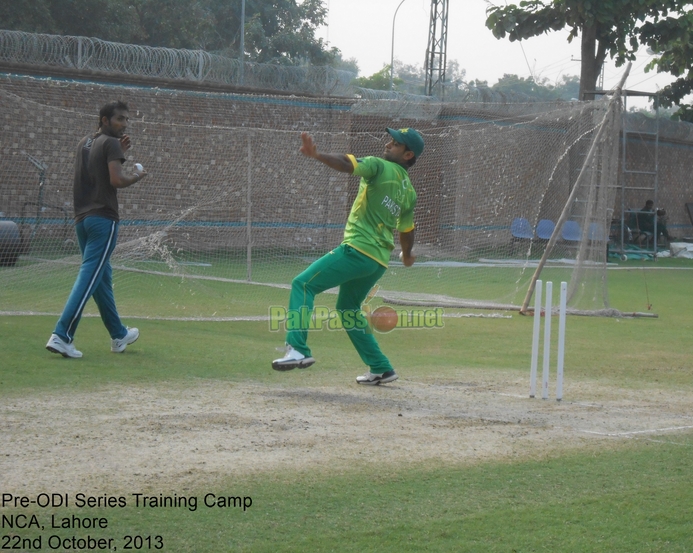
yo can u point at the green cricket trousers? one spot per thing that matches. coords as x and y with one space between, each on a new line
355 274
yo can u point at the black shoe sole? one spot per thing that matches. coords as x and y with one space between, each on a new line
53 350
300 364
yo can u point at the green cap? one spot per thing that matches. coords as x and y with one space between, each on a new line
410 138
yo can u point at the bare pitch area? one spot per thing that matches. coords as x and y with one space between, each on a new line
156 436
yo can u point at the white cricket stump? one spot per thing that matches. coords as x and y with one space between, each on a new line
546 358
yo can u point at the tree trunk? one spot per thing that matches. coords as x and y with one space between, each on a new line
590 64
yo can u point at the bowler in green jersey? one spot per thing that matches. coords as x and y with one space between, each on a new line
385 203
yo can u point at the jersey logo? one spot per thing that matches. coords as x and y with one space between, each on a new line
391 206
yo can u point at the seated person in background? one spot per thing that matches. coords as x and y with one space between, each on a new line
645 223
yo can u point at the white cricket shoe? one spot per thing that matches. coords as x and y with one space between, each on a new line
119 344
374 379
57 345
292 360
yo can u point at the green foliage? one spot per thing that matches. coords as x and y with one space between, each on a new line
568 87
350 64
673 38
174 24
411 79
277 31
611 27
379 80
34 17
283 31
512 84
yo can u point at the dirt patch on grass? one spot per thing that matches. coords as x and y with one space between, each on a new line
127 437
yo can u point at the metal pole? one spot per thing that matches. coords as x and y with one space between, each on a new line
392 51
242 53
248 220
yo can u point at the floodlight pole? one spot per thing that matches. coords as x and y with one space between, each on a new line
392 50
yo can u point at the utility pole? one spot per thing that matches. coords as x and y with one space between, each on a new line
392 51
436 52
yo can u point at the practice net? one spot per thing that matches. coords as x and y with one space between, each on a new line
231 212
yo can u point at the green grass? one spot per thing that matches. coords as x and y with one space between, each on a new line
197 295
635 496
634 499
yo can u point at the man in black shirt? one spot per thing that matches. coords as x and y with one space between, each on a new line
98 173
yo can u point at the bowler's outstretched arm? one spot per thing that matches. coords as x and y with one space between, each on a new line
338 162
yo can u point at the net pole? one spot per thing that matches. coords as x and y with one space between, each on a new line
571 198
248 218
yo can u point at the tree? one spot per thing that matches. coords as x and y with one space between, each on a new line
411 79
175 23
512 84
378 81
605 27
568 87
283 31
276 31
351 64
673 39
32 17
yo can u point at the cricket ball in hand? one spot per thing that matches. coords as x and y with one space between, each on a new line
139 167
384 319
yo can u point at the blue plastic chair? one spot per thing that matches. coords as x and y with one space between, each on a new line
520 228
571 231
545 229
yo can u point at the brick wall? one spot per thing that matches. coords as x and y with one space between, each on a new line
473 179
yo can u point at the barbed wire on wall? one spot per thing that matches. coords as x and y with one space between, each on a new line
93 54
199 66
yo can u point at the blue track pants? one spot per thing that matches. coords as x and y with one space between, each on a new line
97 238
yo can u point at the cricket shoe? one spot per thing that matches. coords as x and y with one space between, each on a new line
292 360
118 345
371 379
57 345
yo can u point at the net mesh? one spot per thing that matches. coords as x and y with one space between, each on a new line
231 211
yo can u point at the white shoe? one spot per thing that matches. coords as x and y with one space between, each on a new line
57 345
292 360
372 379
119 344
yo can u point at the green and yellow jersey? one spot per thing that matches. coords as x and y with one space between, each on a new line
385 201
